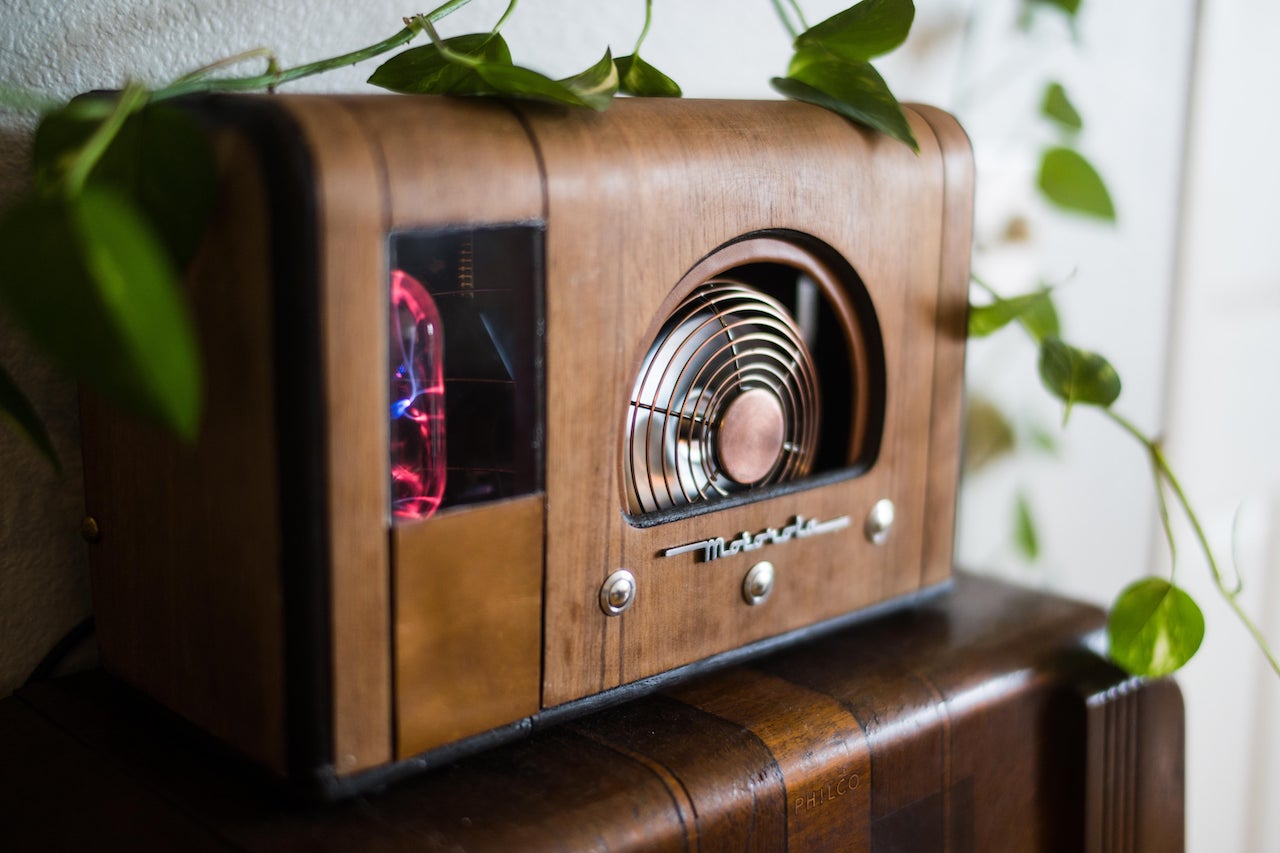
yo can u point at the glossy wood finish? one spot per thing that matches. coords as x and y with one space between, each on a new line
637 197
946 416
190 593
351 217
185 576
967 724
468 622
374 177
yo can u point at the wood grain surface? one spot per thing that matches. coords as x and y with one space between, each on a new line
352 222
946 417
468 623
967 724
186 583
636 198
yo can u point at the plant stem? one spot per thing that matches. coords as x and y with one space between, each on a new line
131 99
786 21
804 25
205 70
1165 474
452 56
644 32
272 79
991 291
511 7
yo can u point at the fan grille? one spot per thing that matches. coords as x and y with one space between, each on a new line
726 391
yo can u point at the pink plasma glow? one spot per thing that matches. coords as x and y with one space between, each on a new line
417 400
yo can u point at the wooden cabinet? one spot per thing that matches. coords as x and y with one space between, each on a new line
979 720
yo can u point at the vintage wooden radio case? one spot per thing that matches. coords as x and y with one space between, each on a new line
513 410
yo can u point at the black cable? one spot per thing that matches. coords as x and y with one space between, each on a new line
60 650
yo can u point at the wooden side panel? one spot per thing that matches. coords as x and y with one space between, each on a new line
352 224
468 622
1135 774
636 197
467 614
186 576
947 418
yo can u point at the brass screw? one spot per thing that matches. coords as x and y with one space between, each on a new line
90 530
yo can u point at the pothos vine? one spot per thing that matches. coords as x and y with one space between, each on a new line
123 186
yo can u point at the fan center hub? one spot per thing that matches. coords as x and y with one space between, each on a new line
751 435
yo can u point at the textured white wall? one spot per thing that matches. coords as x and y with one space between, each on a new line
1128 76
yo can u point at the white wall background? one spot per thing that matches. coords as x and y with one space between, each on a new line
1129 74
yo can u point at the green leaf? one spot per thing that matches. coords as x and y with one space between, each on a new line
1057 106
488 71
1035 310
988 435
425 70
1069 7
596 86
853 90
1076 376
1069 181
639 78
87 280
160 160
1154 628
1024 530
867 30
1041 318
1042 440
15 407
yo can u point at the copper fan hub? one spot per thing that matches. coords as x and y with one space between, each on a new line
751 434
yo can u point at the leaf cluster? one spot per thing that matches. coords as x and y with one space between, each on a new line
480 64
831 65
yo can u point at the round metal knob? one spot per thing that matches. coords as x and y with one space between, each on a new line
879 521
758 583
618 592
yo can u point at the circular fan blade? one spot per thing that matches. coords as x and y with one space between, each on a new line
726 400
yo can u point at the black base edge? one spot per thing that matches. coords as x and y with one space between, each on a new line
325 784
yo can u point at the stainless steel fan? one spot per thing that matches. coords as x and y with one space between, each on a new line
726 400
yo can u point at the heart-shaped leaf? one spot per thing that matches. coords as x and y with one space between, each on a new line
869 29
1076 376
1069 181
15 407
426 71
160 160
1154 628
853 90
639 78
1035 310
1057 106
87 280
